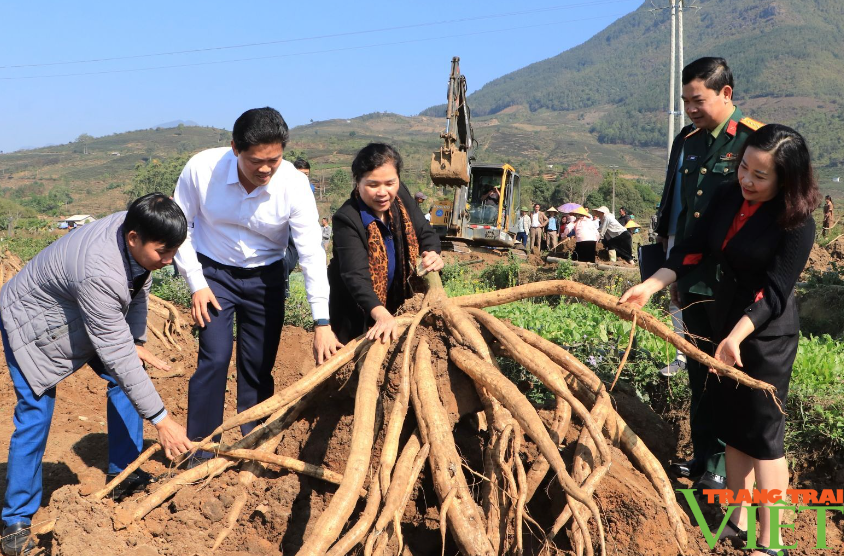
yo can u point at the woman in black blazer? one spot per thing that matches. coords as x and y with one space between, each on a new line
379 233
756 235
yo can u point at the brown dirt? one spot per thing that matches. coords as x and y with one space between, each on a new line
836 250
819 259
282 505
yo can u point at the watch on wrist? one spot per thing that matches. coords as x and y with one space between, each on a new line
322 322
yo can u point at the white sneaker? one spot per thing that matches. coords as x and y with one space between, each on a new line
673 368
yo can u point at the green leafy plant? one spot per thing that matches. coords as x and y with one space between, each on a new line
171 288
502 274
297 310
564 270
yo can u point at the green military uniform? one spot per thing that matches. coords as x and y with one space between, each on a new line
710 160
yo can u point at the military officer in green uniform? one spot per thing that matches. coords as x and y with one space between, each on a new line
704 157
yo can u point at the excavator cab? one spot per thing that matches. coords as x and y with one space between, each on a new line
492 200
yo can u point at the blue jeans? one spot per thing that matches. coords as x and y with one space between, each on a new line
32 425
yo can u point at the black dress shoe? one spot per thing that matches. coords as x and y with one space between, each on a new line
16 540
691 469
711 481
135 482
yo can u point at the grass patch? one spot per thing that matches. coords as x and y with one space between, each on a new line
297 310
815 412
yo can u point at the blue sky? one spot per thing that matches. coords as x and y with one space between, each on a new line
326 59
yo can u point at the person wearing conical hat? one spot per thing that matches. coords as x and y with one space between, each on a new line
585 236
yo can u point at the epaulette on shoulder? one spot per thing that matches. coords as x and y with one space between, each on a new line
695 130
751 123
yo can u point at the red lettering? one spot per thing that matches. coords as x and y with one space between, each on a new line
795 493
826 497
743 496
722 494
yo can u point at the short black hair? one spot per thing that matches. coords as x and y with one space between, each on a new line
259 126
714 72
157 217
622 209
373 156
301 164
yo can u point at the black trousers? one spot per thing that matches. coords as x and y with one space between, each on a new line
703 420
256 298
584 251
623 245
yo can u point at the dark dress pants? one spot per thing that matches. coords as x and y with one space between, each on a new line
256 298
702 413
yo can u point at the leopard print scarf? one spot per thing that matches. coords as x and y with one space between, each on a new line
399 221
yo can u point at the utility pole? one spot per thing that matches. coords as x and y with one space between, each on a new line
675 89
672 87
614 172
681 6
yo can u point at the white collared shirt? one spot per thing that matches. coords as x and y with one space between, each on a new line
249 230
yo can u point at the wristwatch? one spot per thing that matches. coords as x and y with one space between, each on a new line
322 322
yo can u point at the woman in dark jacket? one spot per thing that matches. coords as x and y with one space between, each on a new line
379 233
756 236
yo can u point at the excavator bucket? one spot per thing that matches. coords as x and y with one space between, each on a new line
450 168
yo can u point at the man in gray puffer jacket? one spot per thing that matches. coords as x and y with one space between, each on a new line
83 300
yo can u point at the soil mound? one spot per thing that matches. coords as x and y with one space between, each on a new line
819 260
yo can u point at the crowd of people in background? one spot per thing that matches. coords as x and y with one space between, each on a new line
556 224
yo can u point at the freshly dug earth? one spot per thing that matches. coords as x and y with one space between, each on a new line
282 505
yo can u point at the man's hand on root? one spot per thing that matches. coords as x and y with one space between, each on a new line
148 358
173 438
326 344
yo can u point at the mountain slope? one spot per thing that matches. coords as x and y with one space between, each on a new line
777 49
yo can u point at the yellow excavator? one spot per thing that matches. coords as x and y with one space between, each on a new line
484 210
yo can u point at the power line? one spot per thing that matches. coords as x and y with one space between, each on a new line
325 51
319 37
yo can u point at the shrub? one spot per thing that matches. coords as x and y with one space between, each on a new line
171 288
297 310
502 274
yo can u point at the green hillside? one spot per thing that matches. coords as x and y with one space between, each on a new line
789 50
600 105
93 172
86 176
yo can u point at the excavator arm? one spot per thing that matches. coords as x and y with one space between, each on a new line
451 165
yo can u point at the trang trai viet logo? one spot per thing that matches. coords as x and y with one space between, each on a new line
803 500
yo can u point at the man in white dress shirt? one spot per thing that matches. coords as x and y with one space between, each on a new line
242 205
